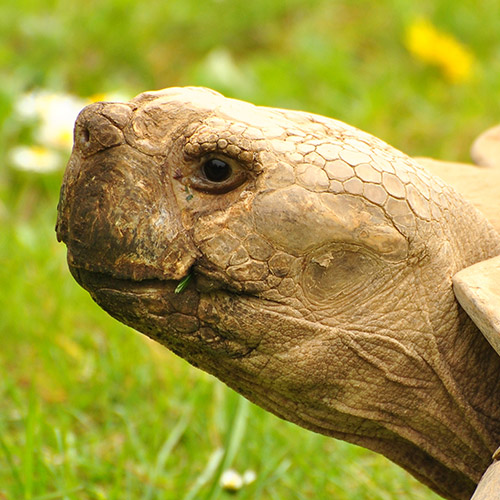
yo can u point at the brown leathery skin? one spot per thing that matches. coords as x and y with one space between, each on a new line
321 270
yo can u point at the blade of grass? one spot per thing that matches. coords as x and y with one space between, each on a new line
58 494
66 448
162 457
235 435
207 474
14 470
183 283
275 469
236 431
134 439
29 447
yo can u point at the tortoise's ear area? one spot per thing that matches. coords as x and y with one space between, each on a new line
485 150
299 221
477 288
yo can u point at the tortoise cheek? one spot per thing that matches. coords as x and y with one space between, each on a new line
297 220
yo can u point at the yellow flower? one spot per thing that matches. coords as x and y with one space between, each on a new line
70 347
431 46
109 96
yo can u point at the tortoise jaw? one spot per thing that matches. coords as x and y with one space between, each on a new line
152 307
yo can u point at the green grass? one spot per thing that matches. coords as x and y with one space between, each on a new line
90 409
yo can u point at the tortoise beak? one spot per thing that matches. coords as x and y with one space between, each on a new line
117 213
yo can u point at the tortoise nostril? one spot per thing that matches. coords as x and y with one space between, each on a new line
85 135
99 126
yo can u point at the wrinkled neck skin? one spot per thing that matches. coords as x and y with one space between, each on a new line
321 284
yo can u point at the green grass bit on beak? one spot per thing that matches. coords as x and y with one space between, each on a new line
183 283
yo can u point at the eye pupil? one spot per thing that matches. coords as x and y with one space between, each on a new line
216 170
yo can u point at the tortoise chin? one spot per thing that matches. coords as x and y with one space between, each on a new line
184 321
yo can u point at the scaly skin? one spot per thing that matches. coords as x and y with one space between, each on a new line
322 270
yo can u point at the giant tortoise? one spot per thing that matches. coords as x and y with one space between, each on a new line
328 277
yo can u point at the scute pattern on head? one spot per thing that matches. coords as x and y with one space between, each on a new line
321 267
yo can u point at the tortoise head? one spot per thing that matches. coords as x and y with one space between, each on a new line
320 261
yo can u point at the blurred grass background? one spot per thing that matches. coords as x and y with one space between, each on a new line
88 408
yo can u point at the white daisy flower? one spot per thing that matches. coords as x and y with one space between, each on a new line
230 480
233 481
58 113
35 159
53 116
249 476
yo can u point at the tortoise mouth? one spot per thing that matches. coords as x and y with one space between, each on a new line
96 280
196 280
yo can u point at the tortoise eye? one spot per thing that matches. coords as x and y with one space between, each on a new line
218 176
216 170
